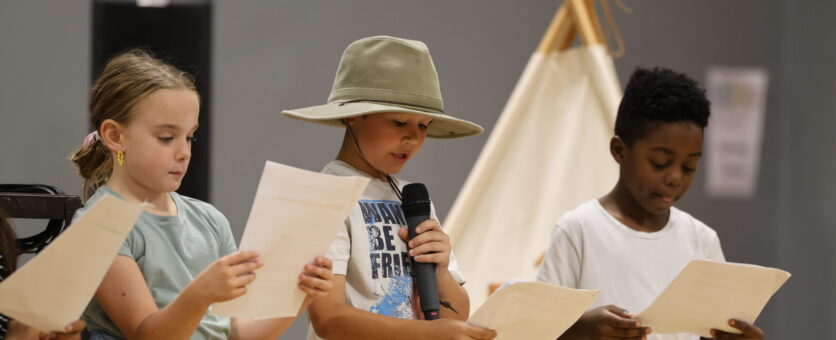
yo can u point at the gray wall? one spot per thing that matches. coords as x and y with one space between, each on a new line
806 217
44 77
270 55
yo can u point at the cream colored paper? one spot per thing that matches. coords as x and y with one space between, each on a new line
53 288
548 153
295 217
707 294
533 310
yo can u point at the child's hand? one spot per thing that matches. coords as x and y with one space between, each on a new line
610 322
317 280
431 245
71 332
443 329
18 330
750 331
226 278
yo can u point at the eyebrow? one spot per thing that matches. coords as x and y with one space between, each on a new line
670 152
174 127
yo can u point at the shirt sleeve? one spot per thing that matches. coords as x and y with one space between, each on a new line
226 242
132 247
714 251
562 261
340 250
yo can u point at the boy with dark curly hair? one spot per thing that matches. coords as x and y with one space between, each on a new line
632 242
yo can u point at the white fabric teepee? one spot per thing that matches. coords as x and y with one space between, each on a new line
548 153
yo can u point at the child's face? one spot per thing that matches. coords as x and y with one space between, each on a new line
158 141
658 169
389 140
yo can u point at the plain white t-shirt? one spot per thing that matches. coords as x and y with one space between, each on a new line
591 249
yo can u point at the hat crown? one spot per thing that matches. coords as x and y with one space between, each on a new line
388 69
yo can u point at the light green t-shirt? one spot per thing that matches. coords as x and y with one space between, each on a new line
171 251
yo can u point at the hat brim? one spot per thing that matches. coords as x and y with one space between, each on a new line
443 126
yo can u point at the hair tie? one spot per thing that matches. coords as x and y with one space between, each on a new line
91 137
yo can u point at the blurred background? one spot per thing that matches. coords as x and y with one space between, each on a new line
254 58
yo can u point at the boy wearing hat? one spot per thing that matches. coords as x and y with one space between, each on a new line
387 97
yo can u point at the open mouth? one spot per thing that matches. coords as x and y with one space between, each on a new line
400 157
666 198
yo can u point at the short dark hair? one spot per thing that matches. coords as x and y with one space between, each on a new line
657 96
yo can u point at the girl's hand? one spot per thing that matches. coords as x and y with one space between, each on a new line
226 278
317 280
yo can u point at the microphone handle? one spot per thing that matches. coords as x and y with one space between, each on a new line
424 275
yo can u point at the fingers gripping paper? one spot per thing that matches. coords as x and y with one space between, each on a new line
707 294
53 288
533 310
548 153
295 217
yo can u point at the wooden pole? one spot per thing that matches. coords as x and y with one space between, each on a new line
558 29
580 14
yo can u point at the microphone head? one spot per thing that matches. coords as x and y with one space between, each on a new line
415 192
416 200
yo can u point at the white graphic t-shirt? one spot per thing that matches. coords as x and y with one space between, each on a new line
371 255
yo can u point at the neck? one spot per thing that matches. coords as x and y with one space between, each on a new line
621 204
348 153
132 191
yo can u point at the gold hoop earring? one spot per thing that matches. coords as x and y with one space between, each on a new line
120 157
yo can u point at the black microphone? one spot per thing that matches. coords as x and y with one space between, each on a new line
416 209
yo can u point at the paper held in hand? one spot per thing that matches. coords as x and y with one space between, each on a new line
294 218
706 294
53 288
533 310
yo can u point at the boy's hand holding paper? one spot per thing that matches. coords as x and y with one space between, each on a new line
706 294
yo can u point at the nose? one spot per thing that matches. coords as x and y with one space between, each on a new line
413 135
184 151
673 178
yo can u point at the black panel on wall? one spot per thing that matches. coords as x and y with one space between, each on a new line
180 34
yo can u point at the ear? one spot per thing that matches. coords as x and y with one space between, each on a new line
350 120
617 148
111 134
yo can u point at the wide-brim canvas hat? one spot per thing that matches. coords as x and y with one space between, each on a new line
387 74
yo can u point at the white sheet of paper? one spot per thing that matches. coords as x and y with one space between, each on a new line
53 288
707 294
533 310
295 217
